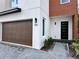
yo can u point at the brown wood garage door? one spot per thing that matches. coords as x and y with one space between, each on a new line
18 32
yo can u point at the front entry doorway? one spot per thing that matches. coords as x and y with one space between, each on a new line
64 30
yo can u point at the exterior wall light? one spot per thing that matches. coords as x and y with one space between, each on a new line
35 21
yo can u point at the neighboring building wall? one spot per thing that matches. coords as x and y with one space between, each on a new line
57 9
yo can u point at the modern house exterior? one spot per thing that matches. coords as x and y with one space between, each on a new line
30 22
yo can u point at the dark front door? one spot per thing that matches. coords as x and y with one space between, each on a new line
64 30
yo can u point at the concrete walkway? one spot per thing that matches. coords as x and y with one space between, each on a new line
59 51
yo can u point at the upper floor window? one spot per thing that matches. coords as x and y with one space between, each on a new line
14 3
64 1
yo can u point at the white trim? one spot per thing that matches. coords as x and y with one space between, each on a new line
60 16
17 44
64 2
14 44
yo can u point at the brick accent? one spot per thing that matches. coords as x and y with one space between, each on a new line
75 26
57 9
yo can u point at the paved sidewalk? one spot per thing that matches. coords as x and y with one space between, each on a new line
59 51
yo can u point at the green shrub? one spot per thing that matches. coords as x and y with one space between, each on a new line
75 46
48 42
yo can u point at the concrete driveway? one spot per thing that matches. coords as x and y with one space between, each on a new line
17 52
9 51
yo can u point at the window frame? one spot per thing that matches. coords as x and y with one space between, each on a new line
15 2
64 2
43 27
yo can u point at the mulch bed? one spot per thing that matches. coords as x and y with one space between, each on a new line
73 53
46 49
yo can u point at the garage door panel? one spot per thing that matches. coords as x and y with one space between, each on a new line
18 32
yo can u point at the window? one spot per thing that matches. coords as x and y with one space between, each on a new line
14 3
43 26
64 1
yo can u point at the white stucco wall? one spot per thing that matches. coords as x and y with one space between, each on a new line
46 17
25 15
31 9
4 5
44 7
29 4
0 31
24 4
55 30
